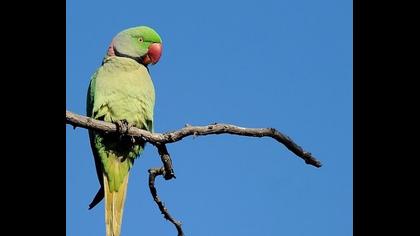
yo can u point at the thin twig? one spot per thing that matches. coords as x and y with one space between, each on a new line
152 175
170 137
166 160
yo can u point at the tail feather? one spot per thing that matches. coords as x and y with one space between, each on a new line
114 207
98 198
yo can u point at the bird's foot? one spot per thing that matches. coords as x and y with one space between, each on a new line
123 126
122 129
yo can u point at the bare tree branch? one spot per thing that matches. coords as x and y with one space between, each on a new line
160 141
152 175
166 160
174 136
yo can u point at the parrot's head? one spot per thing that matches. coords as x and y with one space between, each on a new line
141 43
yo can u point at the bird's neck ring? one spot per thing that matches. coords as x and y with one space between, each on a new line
111 51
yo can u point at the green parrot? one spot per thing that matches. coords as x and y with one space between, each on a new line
121 91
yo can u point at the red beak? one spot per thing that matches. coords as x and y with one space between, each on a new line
154 53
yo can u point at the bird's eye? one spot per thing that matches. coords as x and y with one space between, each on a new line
141 39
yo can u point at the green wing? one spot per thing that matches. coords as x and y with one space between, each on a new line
89 107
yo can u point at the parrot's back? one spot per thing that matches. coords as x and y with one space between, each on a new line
121 89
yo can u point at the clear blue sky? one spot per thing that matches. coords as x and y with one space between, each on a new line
283 64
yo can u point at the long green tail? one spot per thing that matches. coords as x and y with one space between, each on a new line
114 206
